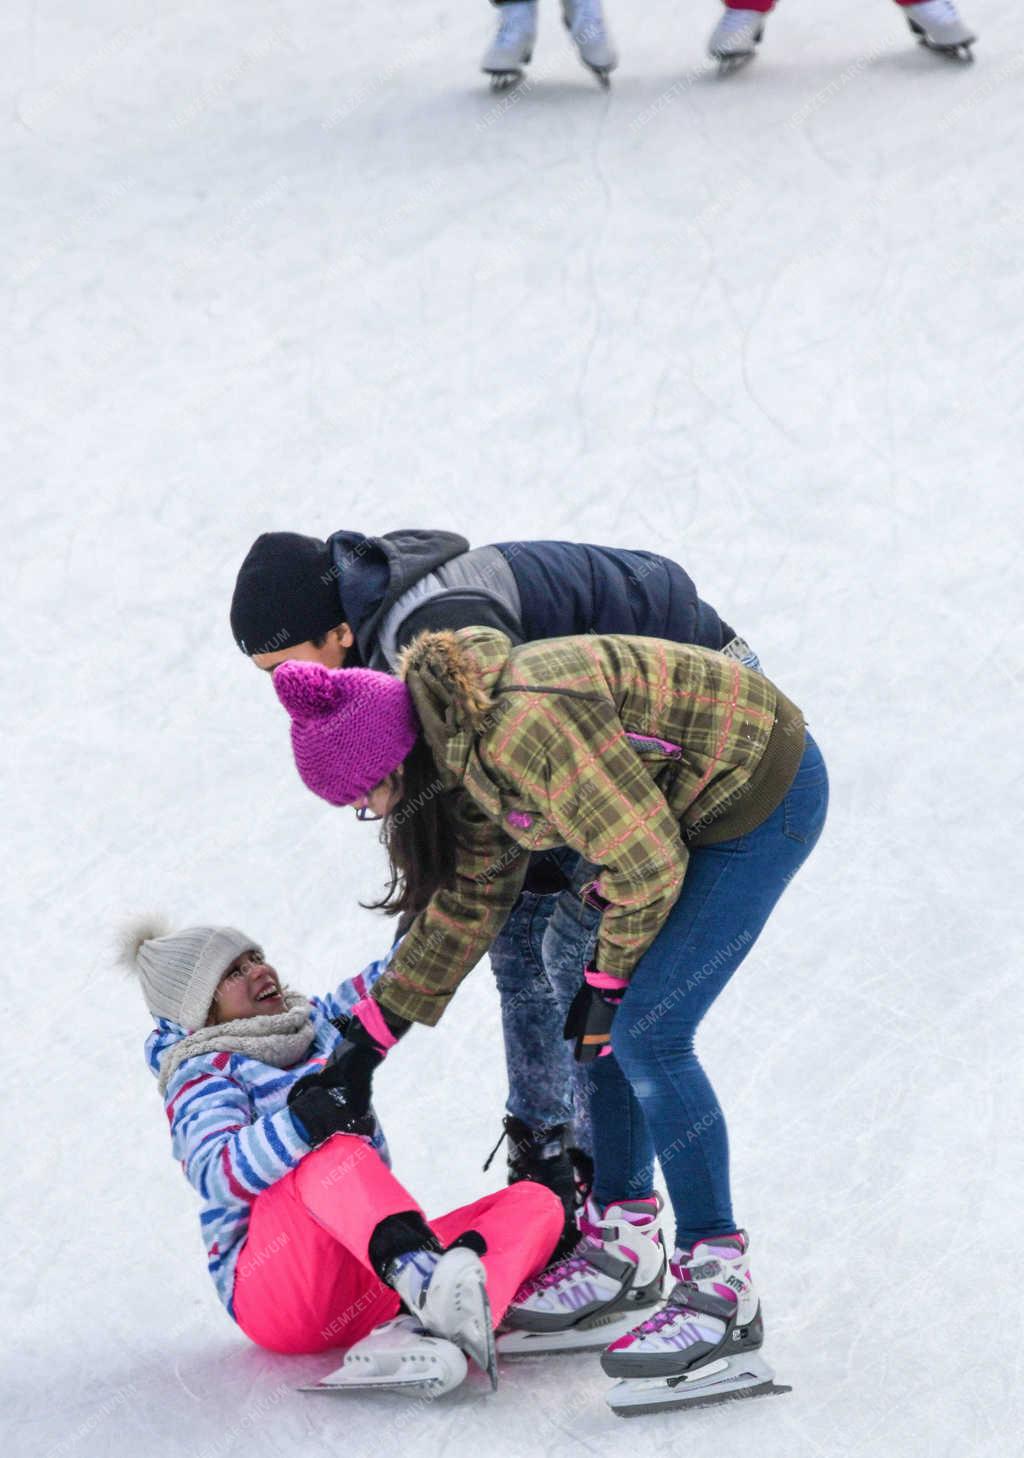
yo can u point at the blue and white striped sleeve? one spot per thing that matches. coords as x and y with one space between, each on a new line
228 1156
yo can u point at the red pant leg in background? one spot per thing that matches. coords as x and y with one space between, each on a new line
304 1282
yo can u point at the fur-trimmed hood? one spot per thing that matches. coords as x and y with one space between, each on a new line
456 670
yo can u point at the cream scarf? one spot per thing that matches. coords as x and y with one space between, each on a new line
279 1039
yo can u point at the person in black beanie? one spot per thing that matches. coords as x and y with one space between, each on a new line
286 602
357 600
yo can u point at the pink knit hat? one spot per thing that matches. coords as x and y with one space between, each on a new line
350 726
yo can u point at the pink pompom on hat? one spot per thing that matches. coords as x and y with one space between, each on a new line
351 727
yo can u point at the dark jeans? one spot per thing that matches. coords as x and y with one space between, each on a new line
651 1099
538 962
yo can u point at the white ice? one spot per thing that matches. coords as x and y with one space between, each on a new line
280 265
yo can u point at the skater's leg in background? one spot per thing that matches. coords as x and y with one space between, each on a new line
303 1283
515 36
519 1225
738 32
536 1055
727 896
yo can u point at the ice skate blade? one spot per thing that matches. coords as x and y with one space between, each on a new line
636 1407
459 1285
604 76
505 80
420 1387
961 52
728 1380
430 1374
728 64
518 1343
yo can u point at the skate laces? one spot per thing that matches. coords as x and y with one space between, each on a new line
665 1317
573 1265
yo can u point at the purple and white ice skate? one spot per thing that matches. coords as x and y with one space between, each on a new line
613 1277
703 1346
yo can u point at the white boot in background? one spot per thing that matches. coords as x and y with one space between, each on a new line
511 50
735 38
937 25
585 22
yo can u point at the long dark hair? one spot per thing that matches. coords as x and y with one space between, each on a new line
419 837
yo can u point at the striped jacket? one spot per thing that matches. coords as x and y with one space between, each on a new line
231 1127
627 749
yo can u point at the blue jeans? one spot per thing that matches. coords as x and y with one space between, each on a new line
538 962
651 1099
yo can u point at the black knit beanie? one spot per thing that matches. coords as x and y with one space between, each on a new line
286 592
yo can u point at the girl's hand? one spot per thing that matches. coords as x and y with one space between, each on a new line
592 1013
337 1099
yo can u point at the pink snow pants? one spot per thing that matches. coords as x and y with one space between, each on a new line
304 1282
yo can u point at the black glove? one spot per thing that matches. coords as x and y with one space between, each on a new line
337 1100
591 1014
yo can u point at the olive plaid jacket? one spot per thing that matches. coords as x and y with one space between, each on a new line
627 749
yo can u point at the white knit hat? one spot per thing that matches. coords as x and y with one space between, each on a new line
179 971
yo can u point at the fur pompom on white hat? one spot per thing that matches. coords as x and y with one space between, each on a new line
133 933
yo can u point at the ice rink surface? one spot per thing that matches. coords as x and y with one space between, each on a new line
292 266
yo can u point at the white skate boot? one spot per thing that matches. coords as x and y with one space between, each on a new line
455 1305
447 1294
598 1292
398 1356
702 1347
585 22
735 38
512 47
937 25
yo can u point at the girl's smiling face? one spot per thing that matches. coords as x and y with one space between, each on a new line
249 988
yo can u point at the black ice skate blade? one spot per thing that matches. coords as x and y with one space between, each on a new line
604 78
709 1399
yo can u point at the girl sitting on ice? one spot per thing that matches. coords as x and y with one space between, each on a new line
311 1241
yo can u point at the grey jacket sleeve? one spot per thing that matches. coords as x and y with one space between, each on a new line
459 609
